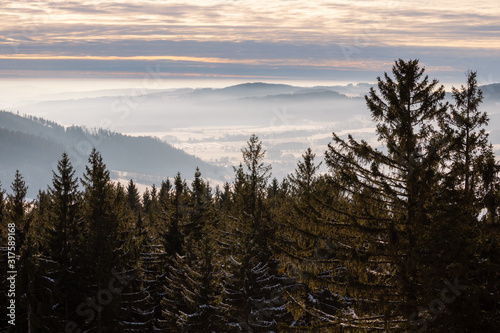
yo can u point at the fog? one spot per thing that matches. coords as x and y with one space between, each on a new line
215 123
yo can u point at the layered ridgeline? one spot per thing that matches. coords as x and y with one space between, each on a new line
34 145
248 104
214 124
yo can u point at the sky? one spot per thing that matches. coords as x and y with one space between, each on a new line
228 41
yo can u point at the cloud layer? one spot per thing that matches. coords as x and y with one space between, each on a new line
286 38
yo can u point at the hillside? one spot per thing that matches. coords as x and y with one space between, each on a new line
34 145
245 104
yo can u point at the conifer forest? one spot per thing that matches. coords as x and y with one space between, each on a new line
400 237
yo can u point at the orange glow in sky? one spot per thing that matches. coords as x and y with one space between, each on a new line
338 34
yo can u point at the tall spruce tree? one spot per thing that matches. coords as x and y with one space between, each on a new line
253 289
306 253
383 245
199 208
174 217
133 198
17 208
62 232
64 195
202 288
104 253
28 280
174 243
471 177
17 213
193 293
469 140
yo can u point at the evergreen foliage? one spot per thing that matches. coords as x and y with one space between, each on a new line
401 237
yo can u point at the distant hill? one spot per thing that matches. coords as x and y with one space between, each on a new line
34 145
259 89
491 92
213 123
253 104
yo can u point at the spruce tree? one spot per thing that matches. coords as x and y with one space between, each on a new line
104 254
17 213
133 306
146 201
306 254
253 289
174 218
164 195
199 208
382 246
469 140
133 198
193 292
17 208
202 288
174 244
471 177
61 232
31 287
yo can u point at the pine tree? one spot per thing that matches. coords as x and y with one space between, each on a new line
153 261
188 231
253 289
17 213
306 254
202 289
469 143
16 208
174 243
199 207
57 223
133 302
154 212
146 201
104 248
173 236
164 195
305 175
133 198
382 246
471 177
63 231
30 286
193 292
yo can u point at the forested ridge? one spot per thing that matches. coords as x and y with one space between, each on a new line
34 145
402 237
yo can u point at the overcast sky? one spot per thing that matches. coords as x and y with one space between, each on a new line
251 40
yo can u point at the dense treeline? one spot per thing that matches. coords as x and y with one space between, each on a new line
398 238
34 145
